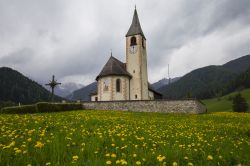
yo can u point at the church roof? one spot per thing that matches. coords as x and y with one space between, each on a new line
135 27
150 87
114 67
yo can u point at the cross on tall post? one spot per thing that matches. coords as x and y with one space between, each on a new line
53 83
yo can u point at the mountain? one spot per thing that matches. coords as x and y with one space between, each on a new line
66 89
83 93
206 82
238 65
163 82
17 88
242 81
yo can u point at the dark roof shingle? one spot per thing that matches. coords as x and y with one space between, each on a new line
135 27
114 67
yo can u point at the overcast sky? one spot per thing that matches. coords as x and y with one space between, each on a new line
72 39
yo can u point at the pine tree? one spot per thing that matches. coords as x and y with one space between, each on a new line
239 104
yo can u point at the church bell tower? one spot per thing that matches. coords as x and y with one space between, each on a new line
136 58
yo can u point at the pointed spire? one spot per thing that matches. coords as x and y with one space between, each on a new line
135 27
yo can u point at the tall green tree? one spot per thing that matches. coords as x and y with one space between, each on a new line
239 104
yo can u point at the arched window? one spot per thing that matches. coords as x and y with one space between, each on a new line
118 85
133 41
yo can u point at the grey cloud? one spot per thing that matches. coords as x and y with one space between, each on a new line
194 20
18 57
68 38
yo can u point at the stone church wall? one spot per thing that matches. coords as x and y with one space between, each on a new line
166 106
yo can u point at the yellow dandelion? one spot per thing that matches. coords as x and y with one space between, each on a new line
138 163
113 155
209 157
12 144
160 158
48 163
108 162
113 145
123 162
190 164
134 155
175 163
18 151
39 144
75 157
186 158
107 155
117 162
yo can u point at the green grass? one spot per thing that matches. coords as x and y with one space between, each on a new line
103 137
224 104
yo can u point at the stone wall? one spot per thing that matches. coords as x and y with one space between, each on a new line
167 106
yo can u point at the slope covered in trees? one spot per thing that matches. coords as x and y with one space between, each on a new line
208 82
17 88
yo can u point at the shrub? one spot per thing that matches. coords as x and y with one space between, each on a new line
57 107
6 104
239 104
42 107
20 109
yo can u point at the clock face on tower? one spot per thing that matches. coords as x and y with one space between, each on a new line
133 49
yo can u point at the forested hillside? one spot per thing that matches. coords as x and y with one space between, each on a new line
17 88
208 82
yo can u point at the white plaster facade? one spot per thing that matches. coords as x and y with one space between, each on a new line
108 90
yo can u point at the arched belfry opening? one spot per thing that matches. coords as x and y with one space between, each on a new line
133 41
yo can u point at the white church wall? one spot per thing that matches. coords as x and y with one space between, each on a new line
107 88
94 97
123 94
151 95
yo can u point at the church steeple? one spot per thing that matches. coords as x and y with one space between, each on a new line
135 27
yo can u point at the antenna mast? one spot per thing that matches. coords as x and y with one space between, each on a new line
169 79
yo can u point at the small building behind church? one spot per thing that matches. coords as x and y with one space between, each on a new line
127 81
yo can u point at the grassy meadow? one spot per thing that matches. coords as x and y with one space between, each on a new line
224 103
124 138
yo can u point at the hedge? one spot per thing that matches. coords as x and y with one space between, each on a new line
57 107
6 104
42 107
19 109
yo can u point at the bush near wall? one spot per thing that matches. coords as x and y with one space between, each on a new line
42 107
6 104
57 107
19 109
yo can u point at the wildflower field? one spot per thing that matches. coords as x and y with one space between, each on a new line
124 138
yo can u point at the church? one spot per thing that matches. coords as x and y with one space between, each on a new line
127 81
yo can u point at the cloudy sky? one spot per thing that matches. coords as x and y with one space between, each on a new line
72 39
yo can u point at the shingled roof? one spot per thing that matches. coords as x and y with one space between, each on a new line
135 27
114 67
